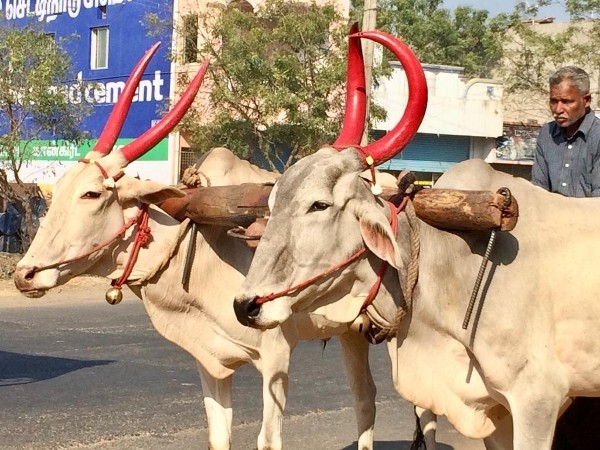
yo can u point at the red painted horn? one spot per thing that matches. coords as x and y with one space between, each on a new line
153 136
398 137
115 121
356 95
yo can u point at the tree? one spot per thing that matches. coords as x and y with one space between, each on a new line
468 38
533 50
583 9
34 104
277 79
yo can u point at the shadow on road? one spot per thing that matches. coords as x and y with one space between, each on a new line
395 445
19 368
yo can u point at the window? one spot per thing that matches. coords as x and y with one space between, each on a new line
190 38
99 50
187 159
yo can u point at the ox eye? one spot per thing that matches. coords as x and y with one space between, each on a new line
319 206
91 194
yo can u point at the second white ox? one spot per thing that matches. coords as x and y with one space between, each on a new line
533 342
86 232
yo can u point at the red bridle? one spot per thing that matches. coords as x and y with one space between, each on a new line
142 235
376 285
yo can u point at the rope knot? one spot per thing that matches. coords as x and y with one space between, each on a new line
143 236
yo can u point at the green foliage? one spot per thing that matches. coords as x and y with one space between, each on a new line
583 9
33 103
277 77
531 56
532 53
33 68
467 38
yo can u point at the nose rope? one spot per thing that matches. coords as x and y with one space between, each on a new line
304 284
117 235
374 289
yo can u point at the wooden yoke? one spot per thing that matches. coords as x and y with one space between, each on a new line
230 206
452 209
447 209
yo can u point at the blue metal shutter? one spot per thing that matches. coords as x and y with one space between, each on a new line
430 153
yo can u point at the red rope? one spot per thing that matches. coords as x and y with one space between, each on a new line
102 170
142 236
384 265
354 257
98 247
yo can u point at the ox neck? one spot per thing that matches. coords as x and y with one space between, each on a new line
394 299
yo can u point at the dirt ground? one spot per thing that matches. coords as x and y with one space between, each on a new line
8 261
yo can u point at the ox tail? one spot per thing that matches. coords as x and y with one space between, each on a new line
418 442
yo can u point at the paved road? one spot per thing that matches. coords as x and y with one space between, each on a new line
76 372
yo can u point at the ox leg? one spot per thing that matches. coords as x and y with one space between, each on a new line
355 351
274 365
219 414
534 410
428 424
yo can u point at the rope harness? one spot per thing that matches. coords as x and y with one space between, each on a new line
377 331
142 235
354 257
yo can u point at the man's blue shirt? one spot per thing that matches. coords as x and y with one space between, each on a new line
569 165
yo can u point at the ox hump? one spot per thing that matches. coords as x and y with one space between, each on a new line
221 167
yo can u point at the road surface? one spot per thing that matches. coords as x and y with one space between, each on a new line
77 373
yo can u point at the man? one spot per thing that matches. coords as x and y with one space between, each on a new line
567 157
567 161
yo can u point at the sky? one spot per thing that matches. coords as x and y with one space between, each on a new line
494 7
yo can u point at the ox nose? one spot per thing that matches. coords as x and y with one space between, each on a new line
246 310
23 277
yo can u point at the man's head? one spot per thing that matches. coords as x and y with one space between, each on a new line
569 97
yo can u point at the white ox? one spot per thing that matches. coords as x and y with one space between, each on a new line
83 233
534 339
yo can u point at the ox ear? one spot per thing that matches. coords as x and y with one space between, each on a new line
378 236
146 191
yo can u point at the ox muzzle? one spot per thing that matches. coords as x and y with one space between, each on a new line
246 310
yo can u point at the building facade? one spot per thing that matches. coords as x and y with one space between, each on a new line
464 118
111 36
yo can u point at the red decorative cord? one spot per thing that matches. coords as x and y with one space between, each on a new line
142 236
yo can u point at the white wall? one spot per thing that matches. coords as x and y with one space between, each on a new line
456 106
47 173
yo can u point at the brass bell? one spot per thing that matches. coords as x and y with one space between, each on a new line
114 296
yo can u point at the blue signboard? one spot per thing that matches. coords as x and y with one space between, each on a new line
112 38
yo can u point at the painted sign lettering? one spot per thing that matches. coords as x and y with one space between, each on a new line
48 10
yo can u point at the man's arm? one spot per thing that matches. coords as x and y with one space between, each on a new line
595 178
539 171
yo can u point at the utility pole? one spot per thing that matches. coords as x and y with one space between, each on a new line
369 23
